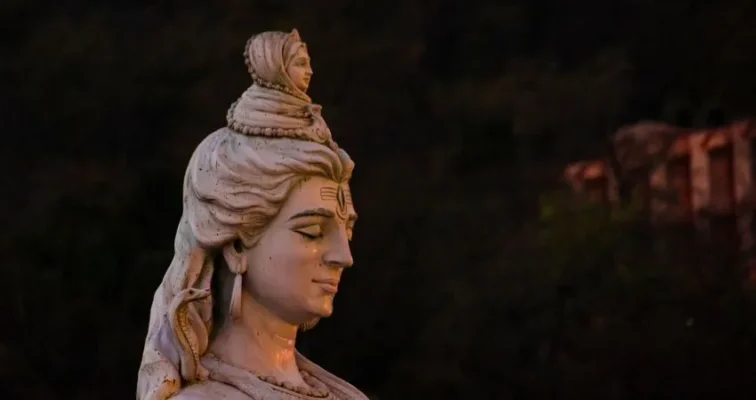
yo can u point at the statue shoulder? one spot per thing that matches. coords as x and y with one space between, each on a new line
210 390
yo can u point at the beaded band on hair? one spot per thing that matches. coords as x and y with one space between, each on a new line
295 133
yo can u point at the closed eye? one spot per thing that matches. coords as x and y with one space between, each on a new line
311 232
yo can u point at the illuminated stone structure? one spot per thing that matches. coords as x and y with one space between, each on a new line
701 176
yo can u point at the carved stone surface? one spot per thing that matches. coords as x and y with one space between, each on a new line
260 249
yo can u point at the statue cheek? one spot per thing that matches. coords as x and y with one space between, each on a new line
304 256
310 256
292 72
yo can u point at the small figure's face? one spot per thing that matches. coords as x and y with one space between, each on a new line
295 268
300 70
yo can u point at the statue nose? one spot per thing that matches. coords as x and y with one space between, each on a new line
339 259
339 255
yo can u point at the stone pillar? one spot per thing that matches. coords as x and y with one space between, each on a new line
742 183
612 189
658 182
699 175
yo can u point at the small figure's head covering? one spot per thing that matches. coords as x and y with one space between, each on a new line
268 54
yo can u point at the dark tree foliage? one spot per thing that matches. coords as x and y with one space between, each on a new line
474 277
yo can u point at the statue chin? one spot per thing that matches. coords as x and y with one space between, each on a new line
303 86
324 308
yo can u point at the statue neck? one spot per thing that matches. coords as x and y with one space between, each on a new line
260 342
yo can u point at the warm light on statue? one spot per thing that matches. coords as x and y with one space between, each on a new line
261 247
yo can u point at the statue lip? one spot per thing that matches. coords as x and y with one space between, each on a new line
328 284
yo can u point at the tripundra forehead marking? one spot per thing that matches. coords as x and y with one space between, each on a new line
342 196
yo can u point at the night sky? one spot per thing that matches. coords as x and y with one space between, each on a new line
459 116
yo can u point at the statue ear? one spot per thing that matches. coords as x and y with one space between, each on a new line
233 253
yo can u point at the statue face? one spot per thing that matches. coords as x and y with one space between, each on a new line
295 268
299 69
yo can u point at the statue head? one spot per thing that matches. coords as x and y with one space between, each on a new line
267 213
279 60
299 69
288 218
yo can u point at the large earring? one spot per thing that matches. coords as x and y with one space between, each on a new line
236 292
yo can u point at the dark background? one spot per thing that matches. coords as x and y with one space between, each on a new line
459 114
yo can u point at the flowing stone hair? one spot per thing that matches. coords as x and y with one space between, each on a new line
234 186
